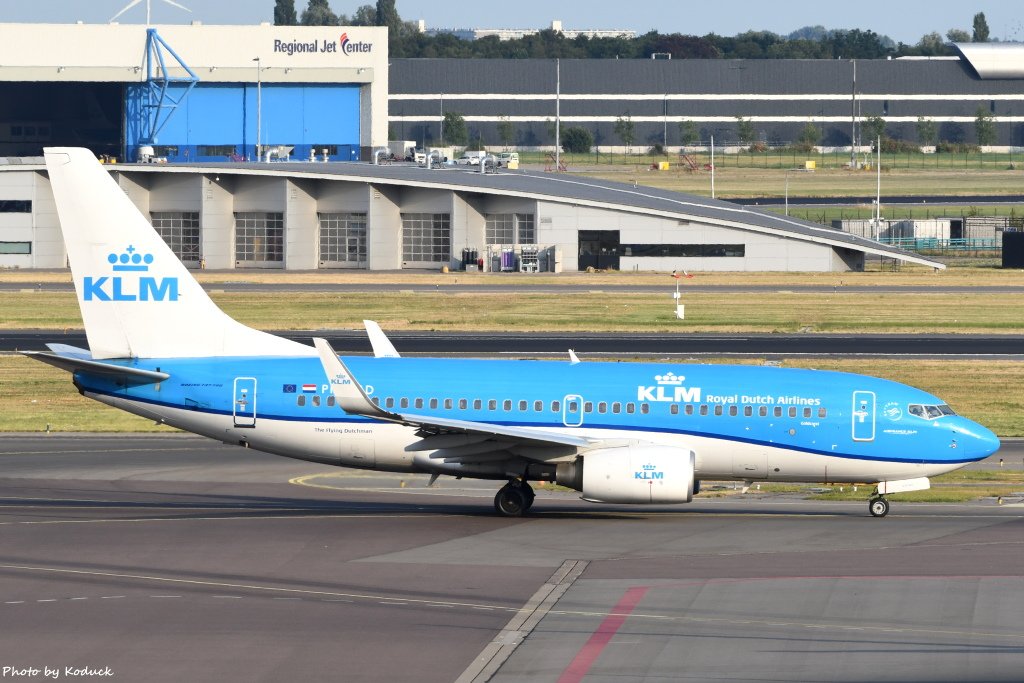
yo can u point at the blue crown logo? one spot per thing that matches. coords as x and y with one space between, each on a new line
649 468
130 260
670 379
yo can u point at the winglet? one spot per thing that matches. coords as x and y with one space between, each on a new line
382 346
346 389
573 358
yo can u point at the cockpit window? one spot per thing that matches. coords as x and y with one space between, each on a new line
929 412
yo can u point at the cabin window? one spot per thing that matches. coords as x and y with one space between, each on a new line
704 410
433 403
300 400
674 408
645 408
477 404
572 406
538 406
492 404
463 404
447 404
376 401
763 411
630 408
689 409
330 401
522 405
748 411
718 410
822 412
602 407
418 403
792 411
316 401
807 412
389 402
588 407
778 411
616 407
734 410
555 406
506 405
403 402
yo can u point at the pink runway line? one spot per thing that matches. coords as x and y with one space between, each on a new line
588 654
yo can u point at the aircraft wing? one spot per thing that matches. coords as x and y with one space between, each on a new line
459 436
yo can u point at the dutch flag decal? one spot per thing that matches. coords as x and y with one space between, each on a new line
309 388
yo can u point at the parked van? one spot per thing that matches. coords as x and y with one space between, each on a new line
471 158
508 157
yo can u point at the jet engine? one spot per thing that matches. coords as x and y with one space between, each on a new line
632 474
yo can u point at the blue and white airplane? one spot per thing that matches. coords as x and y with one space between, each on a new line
616 432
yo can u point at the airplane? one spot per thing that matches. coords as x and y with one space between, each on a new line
619 433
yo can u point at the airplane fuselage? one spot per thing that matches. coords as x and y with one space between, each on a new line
742 422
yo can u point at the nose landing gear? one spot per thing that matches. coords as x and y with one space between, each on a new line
514 498
878 506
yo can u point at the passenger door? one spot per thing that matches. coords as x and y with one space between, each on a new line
863 416
244 405
572 410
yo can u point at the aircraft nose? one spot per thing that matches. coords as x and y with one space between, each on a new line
978 441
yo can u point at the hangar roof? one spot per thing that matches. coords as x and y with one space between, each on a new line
994 60
562 189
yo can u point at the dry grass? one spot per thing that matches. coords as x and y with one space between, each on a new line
595 311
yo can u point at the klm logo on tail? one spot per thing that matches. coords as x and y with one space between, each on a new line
129 288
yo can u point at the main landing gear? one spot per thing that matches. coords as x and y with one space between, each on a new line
878 506
514 498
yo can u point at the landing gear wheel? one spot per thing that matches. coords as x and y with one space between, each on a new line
510 501
528 494
879 507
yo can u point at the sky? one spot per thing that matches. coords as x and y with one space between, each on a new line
901 20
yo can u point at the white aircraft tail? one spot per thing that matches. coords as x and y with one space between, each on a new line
137 298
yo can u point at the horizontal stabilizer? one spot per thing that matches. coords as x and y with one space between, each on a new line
75 364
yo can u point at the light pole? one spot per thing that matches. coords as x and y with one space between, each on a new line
787 193
558 115
259 106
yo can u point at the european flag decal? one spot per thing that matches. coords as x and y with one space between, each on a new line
288 388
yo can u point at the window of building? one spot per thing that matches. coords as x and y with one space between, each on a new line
15 247
342 238
15 206
216 150
510 228
426 238
259 238
684 250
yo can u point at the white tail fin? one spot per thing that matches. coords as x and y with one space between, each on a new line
137 298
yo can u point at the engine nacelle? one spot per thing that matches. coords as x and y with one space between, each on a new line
632 474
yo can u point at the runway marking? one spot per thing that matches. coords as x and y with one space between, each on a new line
141 520
592 649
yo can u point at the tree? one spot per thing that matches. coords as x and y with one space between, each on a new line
625 129
506 131
577 139
810 135
453 129
926 131
551 126
956 35
318 13
387 15
985 127
688 134
745 130
931 44
980 28
874 128
284 13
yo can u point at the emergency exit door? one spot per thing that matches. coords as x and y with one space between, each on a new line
244 406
